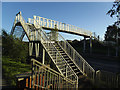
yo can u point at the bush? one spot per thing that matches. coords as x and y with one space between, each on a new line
10 68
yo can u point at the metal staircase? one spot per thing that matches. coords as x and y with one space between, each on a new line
35 33
67 60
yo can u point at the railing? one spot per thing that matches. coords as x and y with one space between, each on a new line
83 65
48 45
26 28
79 61
50 24
45 77
108 79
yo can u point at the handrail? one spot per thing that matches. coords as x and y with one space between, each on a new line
52 70
74 52
63 58
42 32
41 70
20 19
58 52
48 23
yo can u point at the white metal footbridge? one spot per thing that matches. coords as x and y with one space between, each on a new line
68 61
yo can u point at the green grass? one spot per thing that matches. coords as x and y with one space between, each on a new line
11 67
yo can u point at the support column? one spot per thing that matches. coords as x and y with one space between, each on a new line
37 49
43 59
84 48
90 45
30 48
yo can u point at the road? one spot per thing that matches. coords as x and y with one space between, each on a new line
98 64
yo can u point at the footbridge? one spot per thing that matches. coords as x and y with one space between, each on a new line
49 24
68 61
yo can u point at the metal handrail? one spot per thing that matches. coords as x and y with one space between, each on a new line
26 28
75 52
42 32
50 24
40 71
20 19
59 53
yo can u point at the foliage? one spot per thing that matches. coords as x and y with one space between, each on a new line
14 48
14 54
115 8
111 33
10 68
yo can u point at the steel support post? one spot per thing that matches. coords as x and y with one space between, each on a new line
84 48
30 48
37 49
43 59
90 45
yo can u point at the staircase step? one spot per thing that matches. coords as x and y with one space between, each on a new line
75 69
59 60
77 72
58 63
60 51
66 58
73 66
63 53
61 65
52 54
71 63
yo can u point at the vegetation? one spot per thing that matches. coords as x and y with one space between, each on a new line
111 33
102 50
115 8
14 57
13 48
10 68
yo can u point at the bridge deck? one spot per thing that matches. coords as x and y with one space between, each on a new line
49 24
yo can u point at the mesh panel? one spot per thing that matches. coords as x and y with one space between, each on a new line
18 31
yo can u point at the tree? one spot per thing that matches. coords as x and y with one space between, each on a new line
115 33
14 48
115 8
111 33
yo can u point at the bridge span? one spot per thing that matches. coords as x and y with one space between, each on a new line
49 24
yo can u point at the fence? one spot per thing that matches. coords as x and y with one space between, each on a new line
108 79
45 77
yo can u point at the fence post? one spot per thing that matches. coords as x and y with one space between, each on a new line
97 81
117 86
32 81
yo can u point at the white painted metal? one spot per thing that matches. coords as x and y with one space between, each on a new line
48 77
76 58
61 26
35 32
